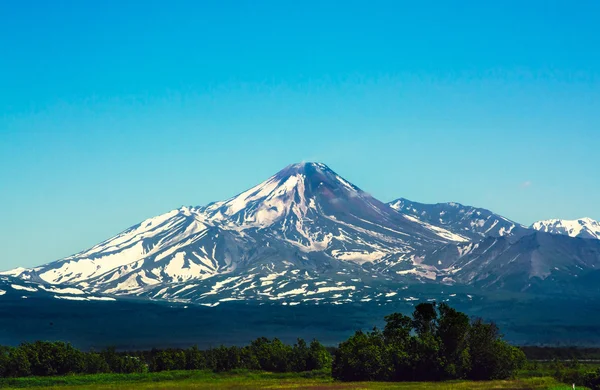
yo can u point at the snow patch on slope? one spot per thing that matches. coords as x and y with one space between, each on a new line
583 227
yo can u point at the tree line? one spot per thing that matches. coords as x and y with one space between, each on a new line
43 358
436 343
561 353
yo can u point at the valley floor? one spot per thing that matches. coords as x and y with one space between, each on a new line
255 380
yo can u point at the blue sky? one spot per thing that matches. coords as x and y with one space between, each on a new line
115 111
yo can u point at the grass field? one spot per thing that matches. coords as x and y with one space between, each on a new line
253 380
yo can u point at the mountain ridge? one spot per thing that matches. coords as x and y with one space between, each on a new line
475 222
305 235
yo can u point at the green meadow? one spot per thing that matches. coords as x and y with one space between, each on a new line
256 380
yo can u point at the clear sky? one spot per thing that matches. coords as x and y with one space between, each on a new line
115 111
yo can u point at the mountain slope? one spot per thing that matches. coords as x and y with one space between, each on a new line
583 227
305 225
17 288
473 222
536 262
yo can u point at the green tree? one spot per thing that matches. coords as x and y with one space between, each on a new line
398 339
318 357
163 361
133 365
272 355
397 329
113 360
194 359
425 356
4 360
248 360
453 330
94 363
227 359
123 364
299 357
491 357
53 358
424 318
18 363
362 357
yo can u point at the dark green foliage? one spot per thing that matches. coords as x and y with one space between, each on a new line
194 359
491 357
569 372
224 358
318 357
438 343
453 331
18 364
397 329
94 363
4 360
55 358
426 358
41 359
272 355
168 360
300 355
362 357
424 318
589 379
561 353
123 364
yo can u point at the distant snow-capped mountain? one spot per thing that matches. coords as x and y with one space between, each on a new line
473 222
583 228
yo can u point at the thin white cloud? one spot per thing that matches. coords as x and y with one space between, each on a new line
526 184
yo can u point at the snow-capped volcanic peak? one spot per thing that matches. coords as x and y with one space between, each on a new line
583 227
293 191
305 218
261 205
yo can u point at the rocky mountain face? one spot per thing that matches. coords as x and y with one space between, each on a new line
536 262
306 235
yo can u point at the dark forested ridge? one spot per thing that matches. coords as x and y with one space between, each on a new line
142 325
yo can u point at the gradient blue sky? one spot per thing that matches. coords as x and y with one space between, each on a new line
115 111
